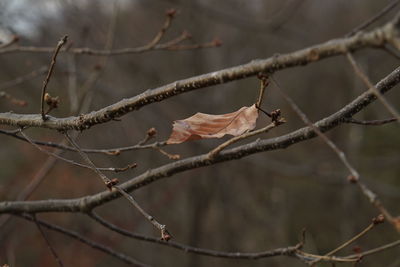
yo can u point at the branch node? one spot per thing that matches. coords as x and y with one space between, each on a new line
171 12
111 183
378 219
352 179
165 235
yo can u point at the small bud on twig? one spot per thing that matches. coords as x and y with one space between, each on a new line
378 219
352 179
171 12
111 183
151 132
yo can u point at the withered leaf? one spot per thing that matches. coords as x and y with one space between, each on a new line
200 125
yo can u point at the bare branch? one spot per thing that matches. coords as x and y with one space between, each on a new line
52 250
306 120
369 84
110 151
376 250
373 122
389 7
87 203
62 41
153 45
376 38
392 51
170 14
354 176
378 220
85 241
111 183
56 155
288 251
33 184
235 139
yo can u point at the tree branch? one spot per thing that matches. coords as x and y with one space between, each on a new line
86 241
52 250
288 251
85 204
376 38
62 41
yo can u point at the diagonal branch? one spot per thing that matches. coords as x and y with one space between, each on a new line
354 176
112 183
109 151
53 252
85 204
373 122
376 17
56 155
368 83
288 251
375 38
85 241
375 221
235 139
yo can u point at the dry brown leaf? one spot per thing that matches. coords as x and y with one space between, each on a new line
200 125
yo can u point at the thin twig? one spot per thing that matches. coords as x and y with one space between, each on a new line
305 119
93 167
174 42
314 257
62 41
275 63
368 83
154 44
263 85
377 220
354 175
109 151
84 240
151 133
52 250
88 88
326 124
389 7
33 184
116 52
390 50
165 153
288 251
235 139
192 46
375 250
165 235
353 239
372 122
349 258
111 169
170 14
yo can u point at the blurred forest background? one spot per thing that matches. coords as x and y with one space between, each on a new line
258 203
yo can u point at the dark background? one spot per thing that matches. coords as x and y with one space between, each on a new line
258 203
